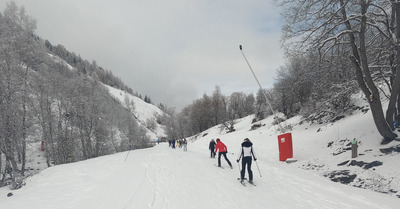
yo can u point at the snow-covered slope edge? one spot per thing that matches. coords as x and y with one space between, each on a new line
142 111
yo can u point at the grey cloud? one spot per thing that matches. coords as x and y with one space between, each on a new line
174 51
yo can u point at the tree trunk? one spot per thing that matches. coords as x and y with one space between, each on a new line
391 110
1 166
380 122
364 79
24 128
398 108
23 141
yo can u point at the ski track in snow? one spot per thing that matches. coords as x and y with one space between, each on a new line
175 175
163 178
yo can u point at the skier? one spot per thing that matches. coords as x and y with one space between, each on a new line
184 145
173 143
211 147
222 150
246 151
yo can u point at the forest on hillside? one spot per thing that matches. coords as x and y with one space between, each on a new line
44 99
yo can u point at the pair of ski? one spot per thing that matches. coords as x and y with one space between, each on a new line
243 183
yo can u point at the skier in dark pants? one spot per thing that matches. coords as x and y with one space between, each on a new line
246 152
173 143
222 150
211 147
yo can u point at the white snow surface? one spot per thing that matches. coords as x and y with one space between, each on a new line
161 177
61 61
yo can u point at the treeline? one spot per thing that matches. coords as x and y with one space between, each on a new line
320 93
41 99
333 49
318 90
85 67
292 94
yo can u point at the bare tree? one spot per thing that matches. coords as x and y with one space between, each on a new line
18 53
129 104
249 107
362 29
262 109
218 106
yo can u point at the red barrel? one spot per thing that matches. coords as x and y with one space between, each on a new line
285 146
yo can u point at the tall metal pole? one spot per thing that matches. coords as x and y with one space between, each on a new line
262 90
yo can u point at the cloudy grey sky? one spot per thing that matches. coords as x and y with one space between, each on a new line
171 50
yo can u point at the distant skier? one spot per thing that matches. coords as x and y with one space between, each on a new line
222 150
173 143
246 151
184 142
211 147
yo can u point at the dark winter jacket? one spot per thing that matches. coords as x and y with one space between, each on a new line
211 146
247 150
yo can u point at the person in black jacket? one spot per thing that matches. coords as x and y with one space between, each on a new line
211 147
246 153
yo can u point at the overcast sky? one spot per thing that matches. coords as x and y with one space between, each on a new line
171 50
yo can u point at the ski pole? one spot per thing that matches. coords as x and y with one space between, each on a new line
258 168
240 172
130 147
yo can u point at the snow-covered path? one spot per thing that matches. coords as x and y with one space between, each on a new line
160 177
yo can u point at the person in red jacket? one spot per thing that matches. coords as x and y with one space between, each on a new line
222 150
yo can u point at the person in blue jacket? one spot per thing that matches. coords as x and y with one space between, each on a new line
246 154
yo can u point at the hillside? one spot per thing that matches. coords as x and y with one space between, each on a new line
55 101
142 111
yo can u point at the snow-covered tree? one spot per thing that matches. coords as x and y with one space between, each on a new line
19 52
365 31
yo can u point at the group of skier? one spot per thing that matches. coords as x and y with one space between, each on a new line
246 154
179 143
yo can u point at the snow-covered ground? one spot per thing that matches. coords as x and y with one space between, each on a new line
161 177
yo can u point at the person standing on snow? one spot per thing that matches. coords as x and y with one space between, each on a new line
211 147
173 143
222 150
184 144
246 151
